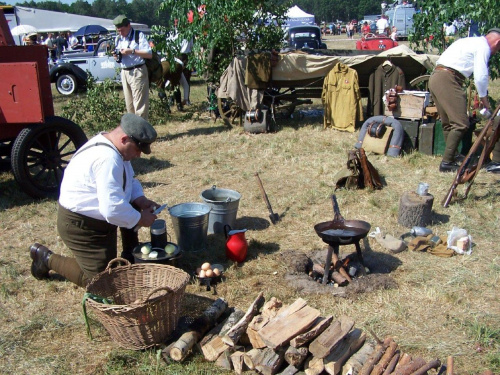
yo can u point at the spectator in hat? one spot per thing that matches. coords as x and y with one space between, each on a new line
99 194
461 59
133 52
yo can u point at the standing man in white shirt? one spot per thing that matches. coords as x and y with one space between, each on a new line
99 194
382 25
133 49
464 57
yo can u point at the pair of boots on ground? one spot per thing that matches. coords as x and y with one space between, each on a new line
452 160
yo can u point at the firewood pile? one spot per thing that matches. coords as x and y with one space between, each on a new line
272 338
341 272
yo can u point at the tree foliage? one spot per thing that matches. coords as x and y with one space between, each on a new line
220 29
428 25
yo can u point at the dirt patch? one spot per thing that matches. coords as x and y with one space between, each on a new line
299 264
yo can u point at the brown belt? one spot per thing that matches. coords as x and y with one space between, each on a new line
456 73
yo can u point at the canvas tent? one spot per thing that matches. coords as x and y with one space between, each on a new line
49 21
297 17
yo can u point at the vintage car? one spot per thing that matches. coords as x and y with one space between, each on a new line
70 72
304 37
375 42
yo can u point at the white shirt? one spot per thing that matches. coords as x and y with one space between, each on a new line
382 25
469 55
129 61
93 185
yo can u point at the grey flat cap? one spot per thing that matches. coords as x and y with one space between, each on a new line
141 131
494 30
121 20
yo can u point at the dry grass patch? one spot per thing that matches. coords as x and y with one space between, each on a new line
441 307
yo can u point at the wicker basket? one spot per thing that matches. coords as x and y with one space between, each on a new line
146 302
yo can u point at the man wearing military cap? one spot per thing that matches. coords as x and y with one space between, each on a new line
462 58
99 194
133 48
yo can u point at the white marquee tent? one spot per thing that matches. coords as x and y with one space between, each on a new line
297 17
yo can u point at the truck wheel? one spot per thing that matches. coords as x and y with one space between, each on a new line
66 84
41 153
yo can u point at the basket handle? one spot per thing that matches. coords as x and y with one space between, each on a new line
117 260
168 289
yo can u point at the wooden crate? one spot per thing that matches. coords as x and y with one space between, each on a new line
411 105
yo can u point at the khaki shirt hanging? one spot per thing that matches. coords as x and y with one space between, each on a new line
341 98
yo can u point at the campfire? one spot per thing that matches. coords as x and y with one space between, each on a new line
340 272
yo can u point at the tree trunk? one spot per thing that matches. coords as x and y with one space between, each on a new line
415 210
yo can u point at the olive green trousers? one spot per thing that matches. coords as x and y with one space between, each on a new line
93 243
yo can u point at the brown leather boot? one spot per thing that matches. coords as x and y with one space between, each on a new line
40 265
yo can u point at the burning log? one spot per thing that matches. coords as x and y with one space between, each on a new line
354 340
200 326
324 343
290 321
354 364
423 370
233 335
333 275
319 326
338 266
296 356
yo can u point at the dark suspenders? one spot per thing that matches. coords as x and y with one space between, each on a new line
111 147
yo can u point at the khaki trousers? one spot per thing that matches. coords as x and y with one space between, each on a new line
136 90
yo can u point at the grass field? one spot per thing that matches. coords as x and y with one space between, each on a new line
441 307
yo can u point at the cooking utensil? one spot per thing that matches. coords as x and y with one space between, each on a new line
209 281
341 232
274 217
162 258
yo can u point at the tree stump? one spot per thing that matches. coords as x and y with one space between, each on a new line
415 210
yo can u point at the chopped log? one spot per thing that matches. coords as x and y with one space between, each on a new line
255 339
269 361
258 322
291 321
250 357
224 360
355 363
165 353
289 370
296 356
415 210
326 341
386 358
375 357
237 361
272 307
392 364
213 348
229 323
432 364
404 359
339 279
314 366
449 365
318 327
233 335
198 328
410 367
354 340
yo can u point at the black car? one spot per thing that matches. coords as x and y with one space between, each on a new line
305 37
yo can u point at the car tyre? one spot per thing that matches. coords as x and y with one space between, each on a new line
66 84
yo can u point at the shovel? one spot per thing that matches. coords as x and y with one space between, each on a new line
274 217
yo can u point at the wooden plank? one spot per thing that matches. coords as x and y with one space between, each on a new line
325 343
319 326
291 321
351 344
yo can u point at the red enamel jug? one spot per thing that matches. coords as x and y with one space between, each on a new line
236 244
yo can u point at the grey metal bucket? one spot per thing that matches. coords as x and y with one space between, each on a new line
224 208
190 222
